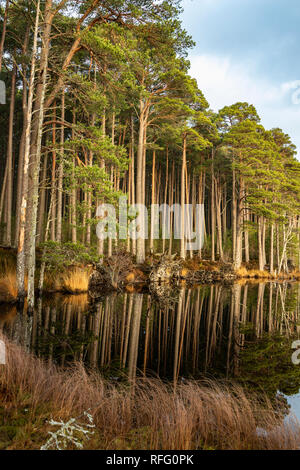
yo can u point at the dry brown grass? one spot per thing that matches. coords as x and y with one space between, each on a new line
76 280
251 273
295 275
243 272
150 415
8 285
197 264
73 281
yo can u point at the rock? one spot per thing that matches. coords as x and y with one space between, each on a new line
165 270
227 272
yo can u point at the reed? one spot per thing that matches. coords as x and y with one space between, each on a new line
244 272
73 280
150 414
8 284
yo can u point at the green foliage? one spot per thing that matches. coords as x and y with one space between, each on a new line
58 256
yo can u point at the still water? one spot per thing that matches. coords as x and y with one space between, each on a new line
242 332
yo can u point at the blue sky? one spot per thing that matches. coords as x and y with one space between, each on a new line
248 50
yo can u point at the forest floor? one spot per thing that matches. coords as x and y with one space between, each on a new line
144 414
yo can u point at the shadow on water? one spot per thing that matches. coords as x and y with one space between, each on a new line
243 331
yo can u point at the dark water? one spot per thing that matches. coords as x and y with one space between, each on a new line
242 332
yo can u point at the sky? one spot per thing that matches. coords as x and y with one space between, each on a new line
248 50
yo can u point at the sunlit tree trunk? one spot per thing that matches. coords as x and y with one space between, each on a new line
272 249
140 243
22 141
153 201
60 173
4 25
41 91
23 210
234 214
10 157
73 190
182 192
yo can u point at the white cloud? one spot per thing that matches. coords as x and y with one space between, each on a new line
224 82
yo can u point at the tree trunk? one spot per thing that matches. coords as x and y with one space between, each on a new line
22 141
73 192
10 156
23 210
140 245
239 228
153 201
40 98
260 250
3 32
60 173
234 214
182 191
272 249
212 209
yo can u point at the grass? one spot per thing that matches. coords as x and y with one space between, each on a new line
196 264
8 282
253 273
8 286
149 415
73 280
243 272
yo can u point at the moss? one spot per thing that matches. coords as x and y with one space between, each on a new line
21 426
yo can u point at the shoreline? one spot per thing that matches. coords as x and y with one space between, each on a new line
121 273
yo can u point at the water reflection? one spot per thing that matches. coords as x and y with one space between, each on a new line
242 331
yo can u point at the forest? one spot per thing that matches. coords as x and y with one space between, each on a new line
99 104
177 329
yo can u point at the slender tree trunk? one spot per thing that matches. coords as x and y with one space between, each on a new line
182 191
43 264
10 156
171 197
152 204
140 245
53 178
73 191
3 190
23 211
165 201
22 141
239 228
246 234
60 173
41 91
260 250
212 209
112 172
100 242
219 220
133 190
42 205
264 241
272 249
234 214
3 32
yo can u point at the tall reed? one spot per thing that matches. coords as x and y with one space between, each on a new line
149 414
